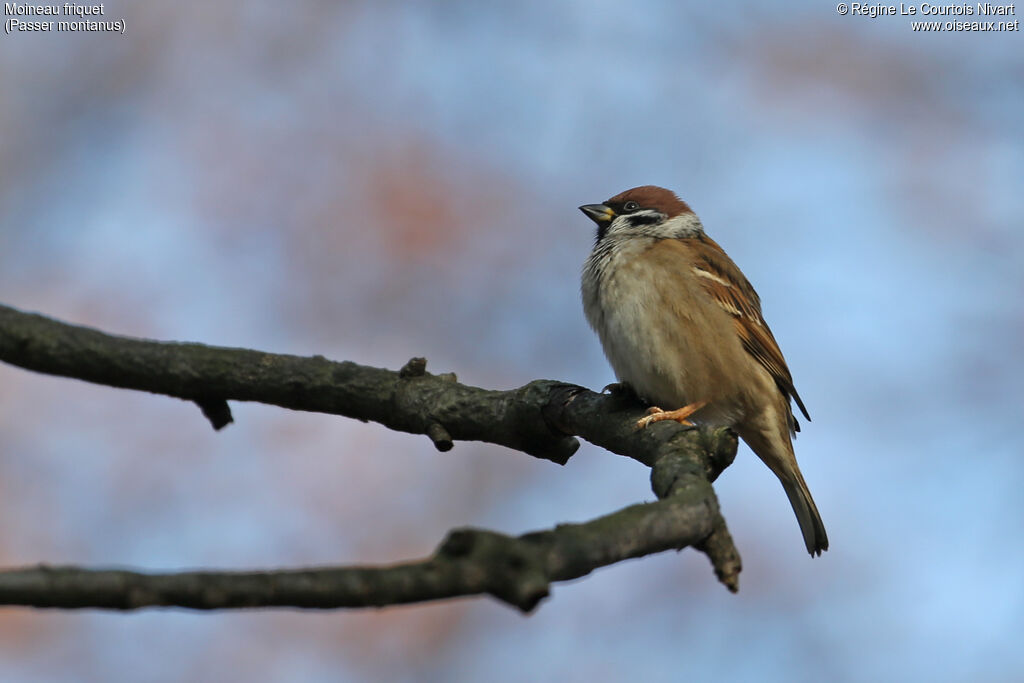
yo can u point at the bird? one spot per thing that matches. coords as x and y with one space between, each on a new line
682 328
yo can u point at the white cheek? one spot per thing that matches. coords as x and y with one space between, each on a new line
620 227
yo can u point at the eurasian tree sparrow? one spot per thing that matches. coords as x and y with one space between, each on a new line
682 326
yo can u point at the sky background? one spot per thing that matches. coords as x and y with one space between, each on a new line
373 181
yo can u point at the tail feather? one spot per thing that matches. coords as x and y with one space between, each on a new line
769 438
807 514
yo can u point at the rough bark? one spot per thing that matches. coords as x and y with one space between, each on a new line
540 419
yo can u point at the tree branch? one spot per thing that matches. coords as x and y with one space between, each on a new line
538 418
412 400
516 570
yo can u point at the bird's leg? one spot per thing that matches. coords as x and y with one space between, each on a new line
656 414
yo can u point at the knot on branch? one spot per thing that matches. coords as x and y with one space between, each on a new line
217 411
440 436
408 401
538 410
514 569
560 397
416 367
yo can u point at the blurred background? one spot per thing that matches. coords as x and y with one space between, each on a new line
378 180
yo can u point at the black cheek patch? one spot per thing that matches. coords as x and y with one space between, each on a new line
637 220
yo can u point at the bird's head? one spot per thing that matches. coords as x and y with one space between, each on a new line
645 211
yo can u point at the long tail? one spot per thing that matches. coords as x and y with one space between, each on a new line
806 511
775 449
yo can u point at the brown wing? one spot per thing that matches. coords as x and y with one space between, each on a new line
727 285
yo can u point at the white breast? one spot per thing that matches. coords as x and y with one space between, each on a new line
636 313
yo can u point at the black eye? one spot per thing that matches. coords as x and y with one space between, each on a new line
630 206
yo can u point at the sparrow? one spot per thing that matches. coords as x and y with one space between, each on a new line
682 327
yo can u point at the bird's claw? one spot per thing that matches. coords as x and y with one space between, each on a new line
656 414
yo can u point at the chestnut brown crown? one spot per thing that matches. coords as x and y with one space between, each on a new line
651 197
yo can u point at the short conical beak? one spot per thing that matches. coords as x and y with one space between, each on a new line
599 213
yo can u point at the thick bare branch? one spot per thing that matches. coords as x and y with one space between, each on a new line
516 570
538 418
411 400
